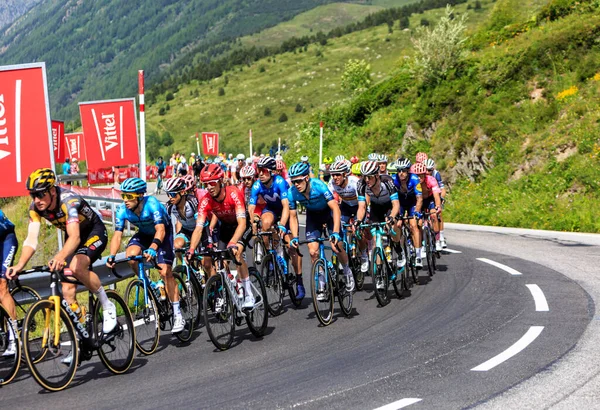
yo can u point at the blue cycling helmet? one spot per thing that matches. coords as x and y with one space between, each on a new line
299 169
134 185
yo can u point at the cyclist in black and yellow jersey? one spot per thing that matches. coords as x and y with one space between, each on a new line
86 238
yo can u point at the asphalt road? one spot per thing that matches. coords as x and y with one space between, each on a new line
422 347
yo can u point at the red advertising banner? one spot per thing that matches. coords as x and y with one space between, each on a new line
75 146
58 140
210 143
25 131
110 131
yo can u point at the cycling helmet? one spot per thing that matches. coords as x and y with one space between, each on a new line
241 157
218 160
247 171
212 172
190 182
403 163
134 185
429 164
392 168
41 180
339 167
354 159
348 163
304 158
268 163
372 156
356 169
418 168
421 157
298 169
174 185
340 158
369 168
280 165
382 158
209 161
327 160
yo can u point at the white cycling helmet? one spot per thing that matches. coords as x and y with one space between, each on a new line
247 171
241 157
369 168
372 156
340 158
430 164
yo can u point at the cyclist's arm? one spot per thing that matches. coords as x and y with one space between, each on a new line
395 207
294 223
115 242
438 201
72 242
239 231
419 204
251 209
285 213
197 234
159 235
213 223
178 226
29 245
337 215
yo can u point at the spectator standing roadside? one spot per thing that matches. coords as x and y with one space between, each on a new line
66 168
173 164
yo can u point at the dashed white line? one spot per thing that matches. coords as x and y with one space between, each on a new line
140 322
501 266
541 305
399 404
450 250
522 343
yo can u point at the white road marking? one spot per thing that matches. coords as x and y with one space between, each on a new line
399 404
541 305
450 250
501 266
140 322
522 343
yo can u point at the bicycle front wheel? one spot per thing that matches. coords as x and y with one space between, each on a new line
344 297
51 346
429 249
257 318
273 282
380 277
219 314
322 292
24 297
117 347
144 311
188 304
9 363
192 284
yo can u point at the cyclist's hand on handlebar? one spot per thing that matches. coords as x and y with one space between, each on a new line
295 243
418 215
334 238
149 254
189 255
12 273
282 230
56 264
110 262
232 246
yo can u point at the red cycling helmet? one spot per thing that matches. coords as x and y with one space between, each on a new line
421 157
280 165
212 172
418 168
354 159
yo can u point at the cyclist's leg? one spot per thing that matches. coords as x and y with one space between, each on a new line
295 258
8 251
267 219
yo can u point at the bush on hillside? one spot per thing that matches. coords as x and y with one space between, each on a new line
169 96
267 111
283 118
221 91
357 76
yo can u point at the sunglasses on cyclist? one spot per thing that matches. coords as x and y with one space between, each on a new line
212 183
337 175
38 195
130 197
298 181
173 194
247 179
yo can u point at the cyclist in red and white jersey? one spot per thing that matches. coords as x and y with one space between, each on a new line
430 164
431 198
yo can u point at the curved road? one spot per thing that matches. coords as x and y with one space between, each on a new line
478 333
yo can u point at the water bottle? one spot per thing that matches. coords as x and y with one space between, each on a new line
236 286
160 285
282 263
388 253
79 311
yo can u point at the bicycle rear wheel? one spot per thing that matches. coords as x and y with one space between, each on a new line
322 293
273 282
9 364
429 250
145 316
188 306
53 365
344 297
398 278
193 289
218 312
257 318
355 264
380 277
118 346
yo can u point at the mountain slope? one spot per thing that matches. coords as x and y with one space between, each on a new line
10 10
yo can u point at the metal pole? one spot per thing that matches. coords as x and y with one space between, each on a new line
279 146
321 145
142 126
197 145
251 144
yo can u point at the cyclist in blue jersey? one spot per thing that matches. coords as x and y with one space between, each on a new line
430 164
321 209
8 251
154 237
411 199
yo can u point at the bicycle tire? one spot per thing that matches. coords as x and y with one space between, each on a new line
345 298
145 316
323 308
216 320
117 348
24 297
258 317
399 281
187 305
273 283
355 263
379 272
35 319
429 250
292 280
196 300
9 365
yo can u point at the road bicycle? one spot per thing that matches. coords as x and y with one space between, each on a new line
24 296
9 365
223 298
354 260
151 310
409 250
429 243
326 283
194 277
56 339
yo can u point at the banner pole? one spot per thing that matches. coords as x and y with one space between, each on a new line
198 145
321 145
251 144
279 146
142 126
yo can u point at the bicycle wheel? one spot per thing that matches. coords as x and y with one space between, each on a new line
24 297
9 364
145 316
52 357
398 277
429 250
257 318
273 282
322 293
188 304
344 297
191 283
380 277
117 348
218 312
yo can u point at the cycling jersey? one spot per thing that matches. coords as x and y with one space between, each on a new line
348 196
317 200
413 187
260 204
272 196
153 213
189 215
430 187
380 204
438 178
231 208
6 226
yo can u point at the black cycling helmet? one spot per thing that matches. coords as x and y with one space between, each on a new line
268 163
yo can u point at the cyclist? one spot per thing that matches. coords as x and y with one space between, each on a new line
226 203
321 209
431 198
248 178
8 250
411 199
281 170
154 238
86 239
380 192
420 157
382 161
345 186
430 164
354 160
327 161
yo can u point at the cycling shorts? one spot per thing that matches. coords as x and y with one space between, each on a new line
408 205
348 212
164 254
186 235
428 203
226 232
92 245
315 222
8 251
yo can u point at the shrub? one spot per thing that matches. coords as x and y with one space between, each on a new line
162 111
221 91
356 77
283 118
170 96
267 111
298 108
